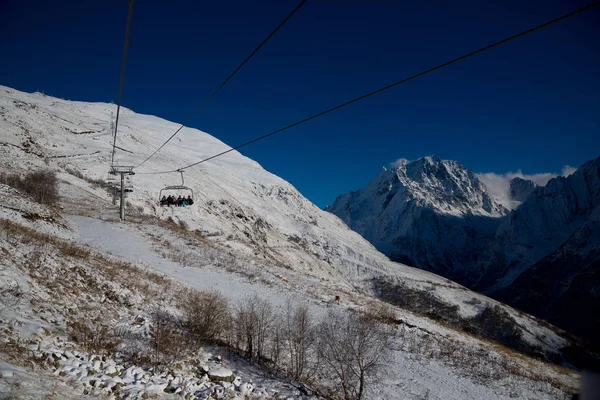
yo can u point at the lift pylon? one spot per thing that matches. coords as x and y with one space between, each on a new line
122 170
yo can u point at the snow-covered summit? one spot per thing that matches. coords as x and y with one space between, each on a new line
448 187
423 212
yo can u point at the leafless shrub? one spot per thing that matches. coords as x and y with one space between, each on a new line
93 335
41 185
353 349
205 314
416 300
95 182
70 249
495 324
10 295
183 225
383 313
75 172
167 339
492 323
17 347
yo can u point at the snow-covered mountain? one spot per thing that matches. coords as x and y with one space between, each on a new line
544 257
237 203
431 213
539 226
248 232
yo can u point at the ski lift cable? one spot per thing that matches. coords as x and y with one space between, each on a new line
112 159
239 67
390 86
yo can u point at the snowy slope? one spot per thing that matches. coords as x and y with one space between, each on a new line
431 213
236 198
238 203
119 285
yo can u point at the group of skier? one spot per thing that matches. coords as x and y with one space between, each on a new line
176 201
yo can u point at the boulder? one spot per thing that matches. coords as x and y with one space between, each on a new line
221 374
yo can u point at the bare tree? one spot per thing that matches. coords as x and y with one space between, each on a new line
254 318
353 349
299 330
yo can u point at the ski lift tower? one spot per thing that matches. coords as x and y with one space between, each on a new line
122 170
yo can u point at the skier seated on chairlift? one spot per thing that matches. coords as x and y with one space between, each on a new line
170 200
163 201
189 200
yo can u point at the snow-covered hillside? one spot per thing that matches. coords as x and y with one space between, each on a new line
237 201
249 232
431 213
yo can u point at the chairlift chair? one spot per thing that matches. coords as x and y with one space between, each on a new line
115 183
177 189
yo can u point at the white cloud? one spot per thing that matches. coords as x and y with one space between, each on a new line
498 185
399 162
568 170
538 179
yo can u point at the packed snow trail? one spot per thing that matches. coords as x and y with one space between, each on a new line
121 241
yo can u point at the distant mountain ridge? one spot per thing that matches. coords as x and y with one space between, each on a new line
542 257
539 226
545 257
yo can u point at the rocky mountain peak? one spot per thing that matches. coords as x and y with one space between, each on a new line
444 185
521 188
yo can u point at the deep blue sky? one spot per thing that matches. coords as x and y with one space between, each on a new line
533 104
